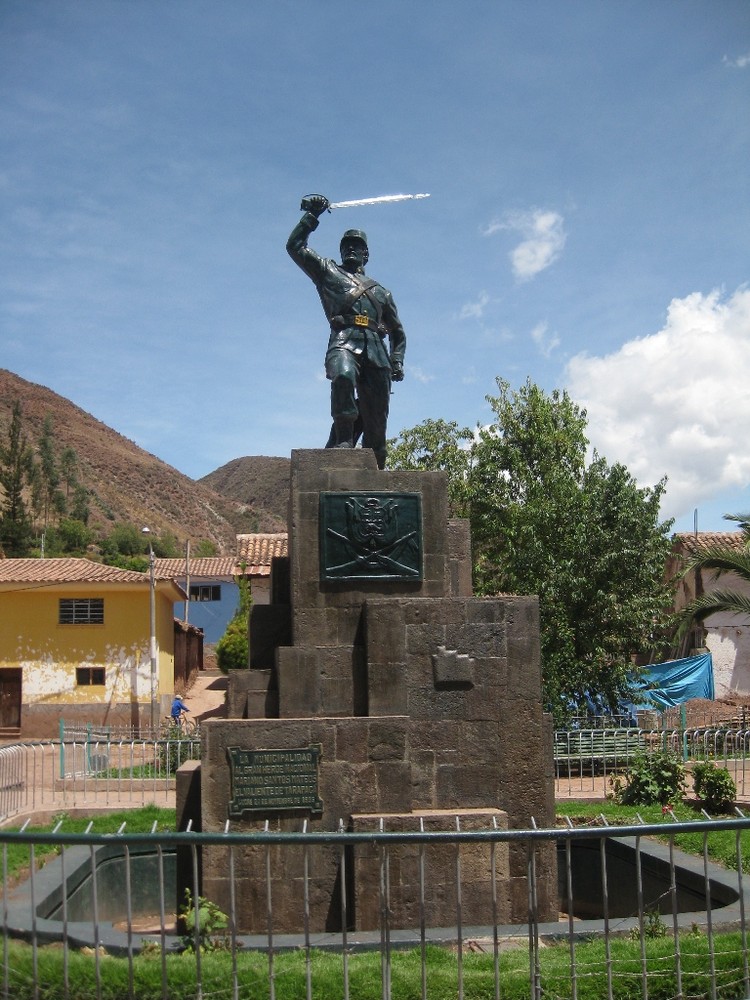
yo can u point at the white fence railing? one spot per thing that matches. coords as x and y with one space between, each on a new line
56 776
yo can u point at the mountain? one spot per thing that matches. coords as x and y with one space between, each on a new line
126 483
256 480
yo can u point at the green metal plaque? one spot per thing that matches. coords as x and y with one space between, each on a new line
370 536
274 780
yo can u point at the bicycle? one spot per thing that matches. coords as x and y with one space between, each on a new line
186 725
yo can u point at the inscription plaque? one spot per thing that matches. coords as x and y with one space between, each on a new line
370 536
274 780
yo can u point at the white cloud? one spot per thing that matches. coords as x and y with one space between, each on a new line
740 62
676 402
420 375
475 310
543 240
546 343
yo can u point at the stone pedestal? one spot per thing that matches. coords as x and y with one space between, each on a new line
421 703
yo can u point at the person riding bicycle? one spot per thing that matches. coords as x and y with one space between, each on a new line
178 707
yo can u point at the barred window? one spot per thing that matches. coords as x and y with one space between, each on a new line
205 592
89 676
81 611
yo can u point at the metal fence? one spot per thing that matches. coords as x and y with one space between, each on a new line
587 759
56 775
59 775
703 951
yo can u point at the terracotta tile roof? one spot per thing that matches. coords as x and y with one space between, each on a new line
257 551
65 571
691 543
208 566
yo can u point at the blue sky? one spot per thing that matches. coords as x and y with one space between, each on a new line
587 227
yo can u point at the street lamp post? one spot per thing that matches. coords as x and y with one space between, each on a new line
152 628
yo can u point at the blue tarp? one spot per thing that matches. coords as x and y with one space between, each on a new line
676 681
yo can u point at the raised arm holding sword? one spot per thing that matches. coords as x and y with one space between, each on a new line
361 314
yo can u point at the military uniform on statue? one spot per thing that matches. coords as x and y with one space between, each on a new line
361 314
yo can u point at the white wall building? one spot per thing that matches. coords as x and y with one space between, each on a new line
726 636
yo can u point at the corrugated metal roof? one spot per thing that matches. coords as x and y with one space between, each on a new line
68 570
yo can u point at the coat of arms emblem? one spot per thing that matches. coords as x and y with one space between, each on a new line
371 536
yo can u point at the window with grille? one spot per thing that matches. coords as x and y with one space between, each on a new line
205 592
81 611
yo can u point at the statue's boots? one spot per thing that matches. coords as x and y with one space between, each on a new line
343 429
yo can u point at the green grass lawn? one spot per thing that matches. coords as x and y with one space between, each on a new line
365 973
17 856
722 846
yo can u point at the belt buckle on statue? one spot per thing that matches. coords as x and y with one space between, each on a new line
361 321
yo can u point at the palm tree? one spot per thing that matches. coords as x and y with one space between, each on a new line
721 559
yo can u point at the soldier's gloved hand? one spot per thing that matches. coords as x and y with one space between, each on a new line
315 204
397 372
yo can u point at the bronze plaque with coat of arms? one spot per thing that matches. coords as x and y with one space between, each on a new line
371 536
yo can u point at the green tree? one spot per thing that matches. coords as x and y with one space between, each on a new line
438 445
233 648
52 497
721 559
80 508
16 462
584 537
166 546
125 540
73 535
69 470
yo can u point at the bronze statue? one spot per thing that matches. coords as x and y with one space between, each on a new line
361 314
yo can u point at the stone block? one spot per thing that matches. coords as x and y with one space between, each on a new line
309 462
459 558
314 626
384 630
387 740
188 794
270 627
321 681
425 640
242 684
442 864
280 583
486 609
477 639
387 693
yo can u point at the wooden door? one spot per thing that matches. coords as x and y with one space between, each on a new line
10 699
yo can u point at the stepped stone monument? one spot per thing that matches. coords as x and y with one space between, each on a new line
378 690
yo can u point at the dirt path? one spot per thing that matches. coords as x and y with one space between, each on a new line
206 696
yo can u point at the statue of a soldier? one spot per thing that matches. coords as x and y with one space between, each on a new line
361 314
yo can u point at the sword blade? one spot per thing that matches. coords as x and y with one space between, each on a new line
383 199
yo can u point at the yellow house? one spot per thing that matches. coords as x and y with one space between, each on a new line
75 643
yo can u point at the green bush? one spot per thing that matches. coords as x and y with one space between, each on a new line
232 650
175 747
213 924
714 785
655 776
